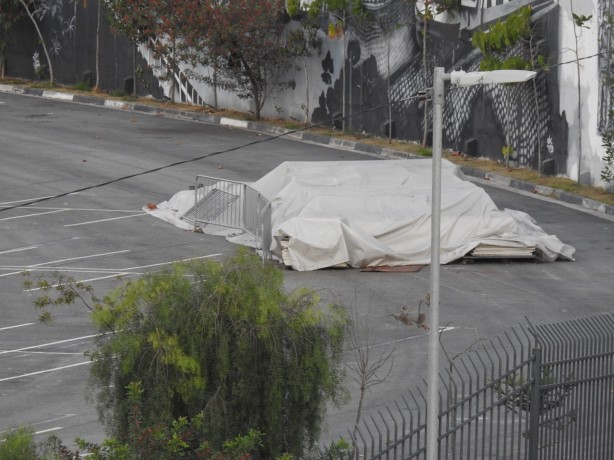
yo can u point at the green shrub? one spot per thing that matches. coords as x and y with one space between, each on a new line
18 444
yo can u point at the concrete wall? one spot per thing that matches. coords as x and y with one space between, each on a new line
579 99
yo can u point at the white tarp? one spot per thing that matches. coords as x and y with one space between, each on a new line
374 213
371 213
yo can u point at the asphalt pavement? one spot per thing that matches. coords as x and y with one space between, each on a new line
52 147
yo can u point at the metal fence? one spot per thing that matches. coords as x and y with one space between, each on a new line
537 392
233 205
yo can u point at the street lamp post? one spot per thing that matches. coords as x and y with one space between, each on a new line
458 79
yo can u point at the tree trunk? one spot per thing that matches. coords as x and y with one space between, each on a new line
134 88
97 85
576 37
359 411
425 121
42 40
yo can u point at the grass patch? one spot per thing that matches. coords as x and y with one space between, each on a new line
121 94
82 86
528 175
425 152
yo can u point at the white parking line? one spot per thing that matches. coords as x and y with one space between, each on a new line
11 274
122 271
53 208
42 264
42 422
58 269
27 199
16 326
44 371
105 220
59 353
27 248
130 271
114 275
48 430
54 419
33 215
91 256
18 350
172 262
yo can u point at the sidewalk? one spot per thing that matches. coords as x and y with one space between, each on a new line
306 136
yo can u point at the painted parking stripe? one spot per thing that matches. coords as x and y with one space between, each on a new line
55 208
62 270
105 220
46 371
34 215
16 326
57 428
42 264
33 347
114 275
27 199
172 262
27 248
131 271
91 256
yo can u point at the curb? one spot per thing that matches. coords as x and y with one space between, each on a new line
383 152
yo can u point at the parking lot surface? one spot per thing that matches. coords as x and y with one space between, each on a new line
100 233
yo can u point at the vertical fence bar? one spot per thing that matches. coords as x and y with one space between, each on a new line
535 404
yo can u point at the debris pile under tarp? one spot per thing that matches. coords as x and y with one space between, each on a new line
378 213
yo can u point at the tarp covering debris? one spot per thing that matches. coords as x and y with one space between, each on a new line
371 213
378 213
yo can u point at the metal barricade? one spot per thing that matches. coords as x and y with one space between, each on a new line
231 204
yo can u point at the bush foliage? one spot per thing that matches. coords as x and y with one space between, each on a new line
217 342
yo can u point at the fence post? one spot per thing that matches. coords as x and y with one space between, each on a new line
536 372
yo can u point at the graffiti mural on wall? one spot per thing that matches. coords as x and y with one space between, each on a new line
69 31
477 120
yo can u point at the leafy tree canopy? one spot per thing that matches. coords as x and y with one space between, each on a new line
221 339
504 34
501 37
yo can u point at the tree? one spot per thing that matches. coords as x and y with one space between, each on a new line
579 22
98 19
133 18
218 338
245 41
10 13
368 369
496 42
36 10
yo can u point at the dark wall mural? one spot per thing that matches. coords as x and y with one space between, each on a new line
69 28
480 121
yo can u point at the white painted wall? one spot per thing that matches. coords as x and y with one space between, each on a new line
286 104
582 119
